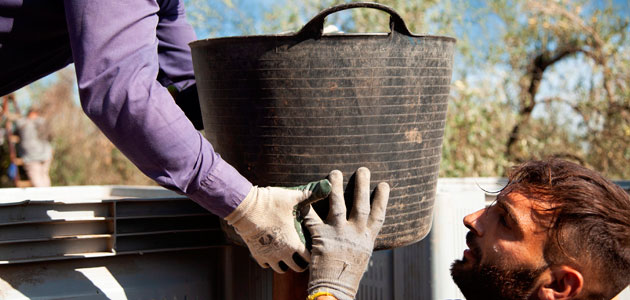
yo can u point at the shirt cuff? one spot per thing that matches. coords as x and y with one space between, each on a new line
222 190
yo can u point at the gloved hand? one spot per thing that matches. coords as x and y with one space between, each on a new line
342 248
266 220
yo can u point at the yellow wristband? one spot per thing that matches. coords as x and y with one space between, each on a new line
314 296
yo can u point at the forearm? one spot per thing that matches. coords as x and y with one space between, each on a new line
117 69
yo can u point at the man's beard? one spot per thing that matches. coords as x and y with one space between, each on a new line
492 281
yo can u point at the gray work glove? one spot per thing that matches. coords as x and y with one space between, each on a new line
267 222
342 248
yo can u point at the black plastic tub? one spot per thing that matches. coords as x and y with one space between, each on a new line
288 109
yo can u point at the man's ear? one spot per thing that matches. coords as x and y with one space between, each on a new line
562 282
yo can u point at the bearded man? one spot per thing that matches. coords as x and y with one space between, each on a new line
556 231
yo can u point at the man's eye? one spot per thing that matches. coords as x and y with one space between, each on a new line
503 221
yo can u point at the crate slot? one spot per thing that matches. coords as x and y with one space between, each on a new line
128 225
53 238
158 208
163 216
166 250
169 240
54 221
146 233
42 212
64 257
54 248
47 230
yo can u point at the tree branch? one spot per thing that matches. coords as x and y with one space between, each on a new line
576 108
550 8
534 73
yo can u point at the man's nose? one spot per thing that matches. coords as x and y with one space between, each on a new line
473 222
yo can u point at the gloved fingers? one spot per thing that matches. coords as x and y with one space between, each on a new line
379 206
337 206
276 267
302 259
297 262
361 204
259 262
299 259
313 191
293 265
294 255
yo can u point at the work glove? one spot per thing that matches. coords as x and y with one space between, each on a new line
342 248
267 220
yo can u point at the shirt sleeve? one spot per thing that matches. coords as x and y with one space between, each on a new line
176 69
174 34
115 50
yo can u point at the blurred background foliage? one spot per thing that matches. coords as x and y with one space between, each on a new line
532 79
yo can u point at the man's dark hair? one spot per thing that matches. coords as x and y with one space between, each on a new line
588 221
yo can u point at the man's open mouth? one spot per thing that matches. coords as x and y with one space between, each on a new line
472 253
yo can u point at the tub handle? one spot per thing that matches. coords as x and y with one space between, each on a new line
315 27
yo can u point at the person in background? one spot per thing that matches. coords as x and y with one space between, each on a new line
556 231
34 147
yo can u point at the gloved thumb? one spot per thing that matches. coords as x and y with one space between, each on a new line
313 191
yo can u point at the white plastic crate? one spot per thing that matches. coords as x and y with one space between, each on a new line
41 224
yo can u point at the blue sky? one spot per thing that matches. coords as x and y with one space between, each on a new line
255 9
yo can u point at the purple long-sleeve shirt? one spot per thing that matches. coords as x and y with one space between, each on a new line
125 53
